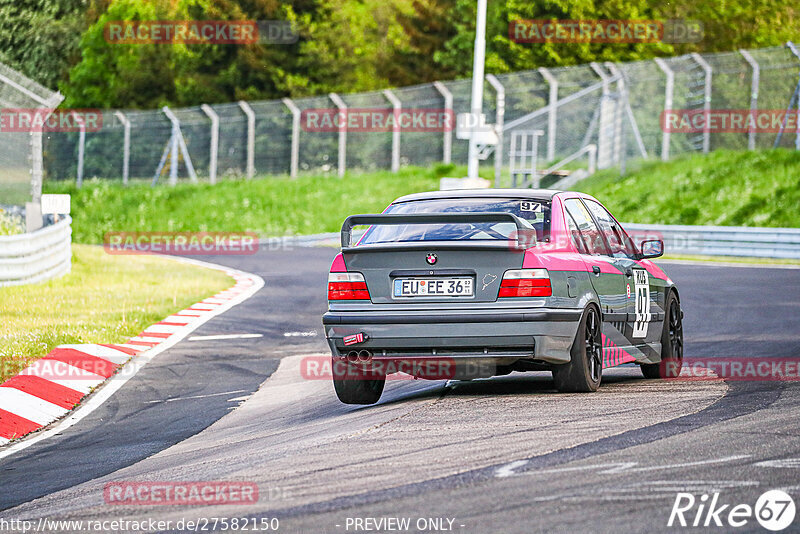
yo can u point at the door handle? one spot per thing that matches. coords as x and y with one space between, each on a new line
595 269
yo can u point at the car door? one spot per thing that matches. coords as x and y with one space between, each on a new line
639 292
607 279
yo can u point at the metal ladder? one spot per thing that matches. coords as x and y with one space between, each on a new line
523 160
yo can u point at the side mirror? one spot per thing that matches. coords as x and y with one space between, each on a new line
651 248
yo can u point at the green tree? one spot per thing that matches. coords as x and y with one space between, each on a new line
41 38
429 26
347 46
733 25
344 45
442 32
151 75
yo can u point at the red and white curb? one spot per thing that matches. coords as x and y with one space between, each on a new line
53 386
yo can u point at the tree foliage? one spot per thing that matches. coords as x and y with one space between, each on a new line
344 45
40 38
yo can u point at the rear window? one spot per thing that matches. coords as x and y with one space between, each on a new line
534 212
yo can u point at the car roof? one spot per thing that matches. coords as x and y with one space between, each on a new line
534 194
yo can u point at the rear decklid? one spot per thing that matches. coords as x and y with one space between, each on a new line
463 269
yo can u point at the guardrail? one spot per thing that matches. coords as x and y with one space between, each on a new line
722 240
689 240
37 256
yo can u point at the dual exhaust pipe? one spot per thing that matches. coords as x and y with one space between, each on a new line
360 356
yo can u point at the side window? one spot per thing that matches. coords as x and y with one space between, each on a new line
618 240
589 231
575 234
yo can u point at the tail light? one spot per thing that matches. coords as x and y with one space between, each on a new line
525 283
347 286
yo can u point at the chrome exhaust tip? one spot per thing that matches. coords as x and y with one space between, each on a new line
352 356
364 356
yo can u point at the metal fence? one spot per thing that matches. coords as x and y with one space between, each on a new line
21 151
616 107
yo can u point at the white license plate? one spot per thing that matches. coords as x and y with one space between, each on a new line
433 287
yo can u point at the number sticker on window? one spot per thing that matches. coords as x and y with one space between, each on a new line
527 205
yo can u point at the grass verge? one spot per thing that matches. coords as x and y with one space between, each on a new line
732 259
105 299
269 206
724 188
727 188
10 224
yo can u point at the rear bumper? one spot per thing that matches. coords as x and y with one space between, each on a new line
544 334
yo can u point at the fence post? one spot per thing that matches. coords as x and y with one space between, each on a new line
126 144
707 99
447 142
37 164
667 106
620 146
37 167
342 156
214 144
81 146
37 160
295 150
397 106
251 137
552 111
793 48
177 144
751 136
500 92
607 145
626 103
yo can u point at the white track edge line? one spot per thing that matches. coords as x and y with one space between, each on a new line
106 390
713 263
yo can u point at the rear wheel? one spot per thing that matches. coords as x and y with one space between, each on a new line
357 383
671 343
585 370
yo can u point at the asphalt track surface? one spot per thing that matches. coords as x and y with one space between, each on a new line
506 454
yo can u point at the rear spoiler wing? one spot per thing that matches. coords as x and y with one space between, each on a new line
431 218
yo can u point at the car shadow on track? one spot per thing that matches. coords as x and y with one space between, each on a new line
530 383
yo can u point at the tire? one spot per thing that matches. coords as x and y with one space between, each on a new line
584 372
357 383
671 343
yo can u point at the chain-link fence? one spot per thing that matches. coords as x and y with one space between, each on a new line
20 146
617 107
